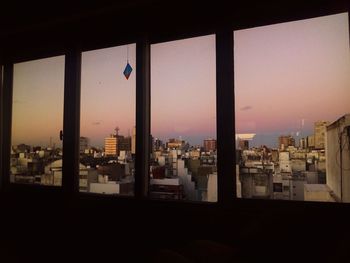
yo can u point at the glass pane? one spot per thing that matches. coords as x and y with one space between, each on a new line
183 120
292 110
107 127
37 118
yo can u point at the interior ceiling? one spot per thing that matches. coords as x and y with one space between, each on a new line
20 15
32 25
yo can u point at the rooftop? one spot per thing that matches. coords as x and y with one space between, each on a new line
317 188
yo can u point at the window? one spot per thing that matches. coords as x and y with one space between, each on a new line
292 112
37 118
107 127
183 120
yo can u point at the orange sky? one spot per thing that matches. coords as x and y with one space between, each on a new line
284 74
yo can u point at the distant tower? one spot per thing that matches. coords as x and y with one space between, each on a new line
111 146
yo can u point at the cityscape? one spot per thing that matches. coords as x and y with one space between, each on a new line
291 116
177 169
317 168
314 169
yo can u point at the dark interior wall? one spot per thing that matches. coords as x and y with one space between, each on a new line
51 226
48 226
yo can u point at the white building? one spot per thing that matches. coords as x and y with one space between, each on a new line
212 192
105 188
318 192
186 180
338 158
284 162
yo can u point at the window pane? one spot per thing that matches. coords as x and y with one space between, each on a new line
292 110
183 120
37 118
107 127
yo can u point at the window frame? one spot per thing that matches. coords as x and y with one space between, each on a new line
224 111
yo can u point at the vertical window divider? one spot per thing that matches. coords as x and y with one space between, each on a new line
6 123
142 117
225 115
1 120
71 121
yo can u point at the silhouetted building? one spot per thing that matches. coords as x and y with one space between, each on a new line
114 171
123 144
158 172
243 144
23 148
284 141
83 144
209 145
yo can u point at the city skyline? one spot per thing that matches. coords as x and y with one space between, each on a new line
301 75
308 57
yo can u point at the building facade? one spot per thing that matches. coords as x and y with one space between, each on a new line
209 145
338 158
320 134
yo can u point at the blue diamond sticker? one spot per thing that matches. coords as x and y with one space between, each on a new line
127 71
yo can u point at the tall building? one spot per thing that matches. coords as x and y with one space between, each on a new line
311 141
116 143
123 144
111 146
284 141
320 132
209 145
84 144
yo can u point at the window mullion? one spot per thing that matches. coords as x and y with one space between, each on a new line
71 122
225 115
6 113
142 117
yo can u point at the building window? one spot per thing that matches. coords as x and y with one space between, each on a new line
292 112
183 120
37 118
107 126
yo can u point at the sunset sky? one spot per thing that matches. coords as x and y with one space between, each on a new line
183 89
289 72
38 101
108 99
285 75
